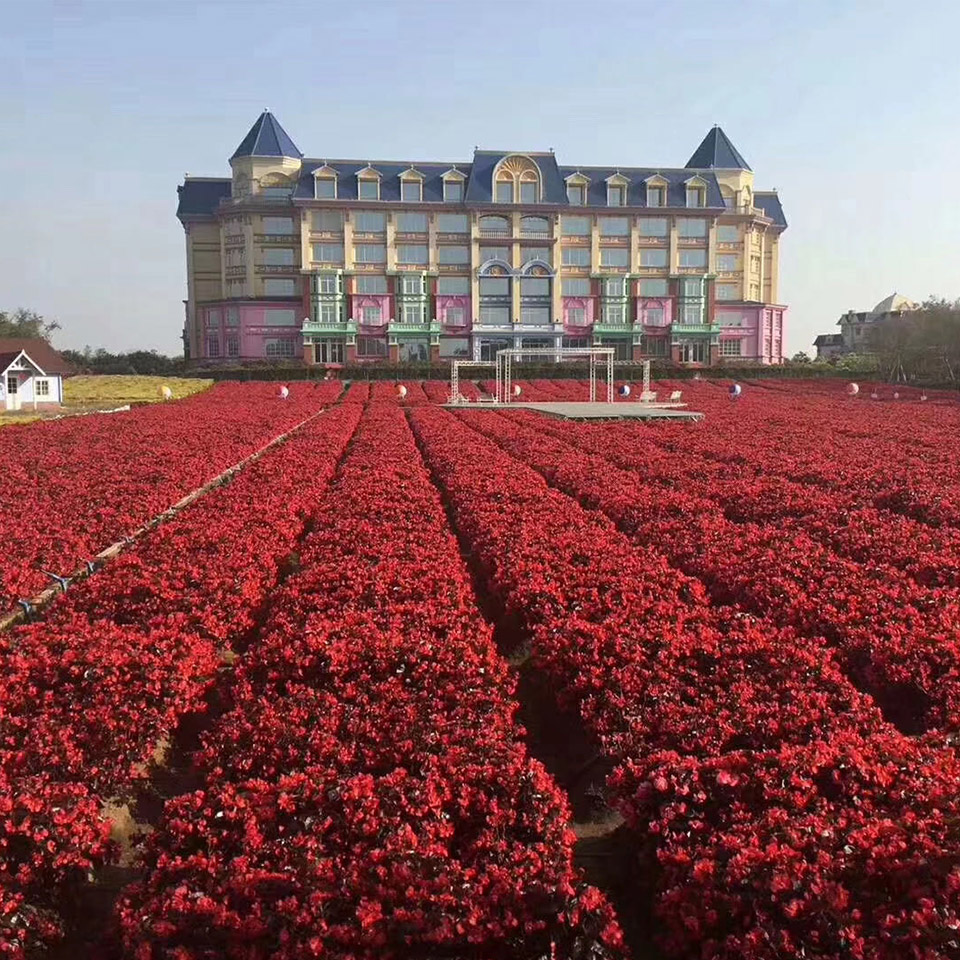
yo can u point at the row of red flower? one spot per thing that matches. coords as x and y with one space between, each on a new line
71 487
787 817
898 639
368 795
90 691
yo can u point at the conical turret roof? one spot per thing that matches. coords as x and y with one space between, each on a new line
716 150
267 139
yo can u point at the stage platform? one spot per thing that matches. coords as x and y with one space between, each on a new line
625 410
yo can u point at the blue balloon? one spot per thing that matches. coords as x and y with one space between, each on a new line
625 390
735 390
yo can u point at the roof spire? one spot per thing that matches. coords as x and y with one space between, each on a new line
266 138
716 151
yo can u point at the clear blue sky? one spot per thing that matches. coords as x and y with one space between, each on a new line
849 109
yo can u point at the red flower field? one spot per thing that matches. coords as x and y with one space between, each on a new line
312 687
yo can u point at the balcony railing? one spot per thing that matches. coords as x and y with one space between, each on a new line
535 235
321 326
276 268
288 238
397 326
606 327
694 328
495 232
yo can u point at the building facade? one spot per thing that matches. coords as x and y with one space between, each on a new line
343 261
855 326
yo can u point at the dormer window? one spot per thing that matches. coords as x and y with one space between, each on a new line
411 186
656 196
516 178
617 190
696 192
576 194
453 191
325 183
368 184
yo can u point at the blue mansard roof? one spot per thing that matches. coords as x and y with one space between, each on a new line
769 203
200 196
267 138
716 151
389 171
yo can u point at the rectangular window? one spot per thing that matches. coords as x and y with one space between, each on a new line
453 191
213 346
614 287
494 287
411 191
495 316
375 286
453 286
614 227
729 348
279 348
42 387
278 225
614 313
576 343
614 257
528 192
213 318
654 346
279 318
367 221
455 316
535 287
325 188
653 288
413 313
656 196
449 254
726 262
327 252
576 194
328 283
454 348
726 291
653 227
653 316
370 253
371 315
728 319
534 253
616 196
576 316
728 234
411 286
328 312
279 288
688 227
495 253
233 317
368 189
694 197
490 348
505 191
576 256
411 223
575 226
327 220
233 345
329 351
278 256
453 223
653 258
538 316
575 287
414 351
693 258
691 313
412 253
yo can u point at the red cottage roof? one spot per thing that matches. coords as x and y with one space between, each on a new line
38 350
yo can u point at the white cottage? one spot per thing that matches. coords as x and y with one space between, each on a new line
31 374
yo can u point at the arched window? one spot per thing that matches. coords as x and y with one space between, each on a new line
516 179
494 227
535 227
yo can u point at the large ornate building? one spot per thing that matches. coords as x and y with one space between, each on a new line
352 260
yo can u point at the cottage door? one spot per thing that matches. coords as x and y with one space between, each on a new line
13 392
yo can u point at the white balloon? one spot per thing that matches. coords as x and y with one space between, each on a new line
853 389
166 392
923 396
625 390
735 390
896 395
284 393
874 395
516 390
402 391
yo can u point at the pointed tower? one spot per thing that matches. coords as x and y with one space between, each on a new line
718 154
267 159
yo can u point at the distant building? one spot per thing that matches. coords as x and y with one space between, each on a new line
854 326
342 261
31 374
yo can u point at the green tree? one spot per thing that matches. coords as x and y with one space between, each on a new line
800 357
26 323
